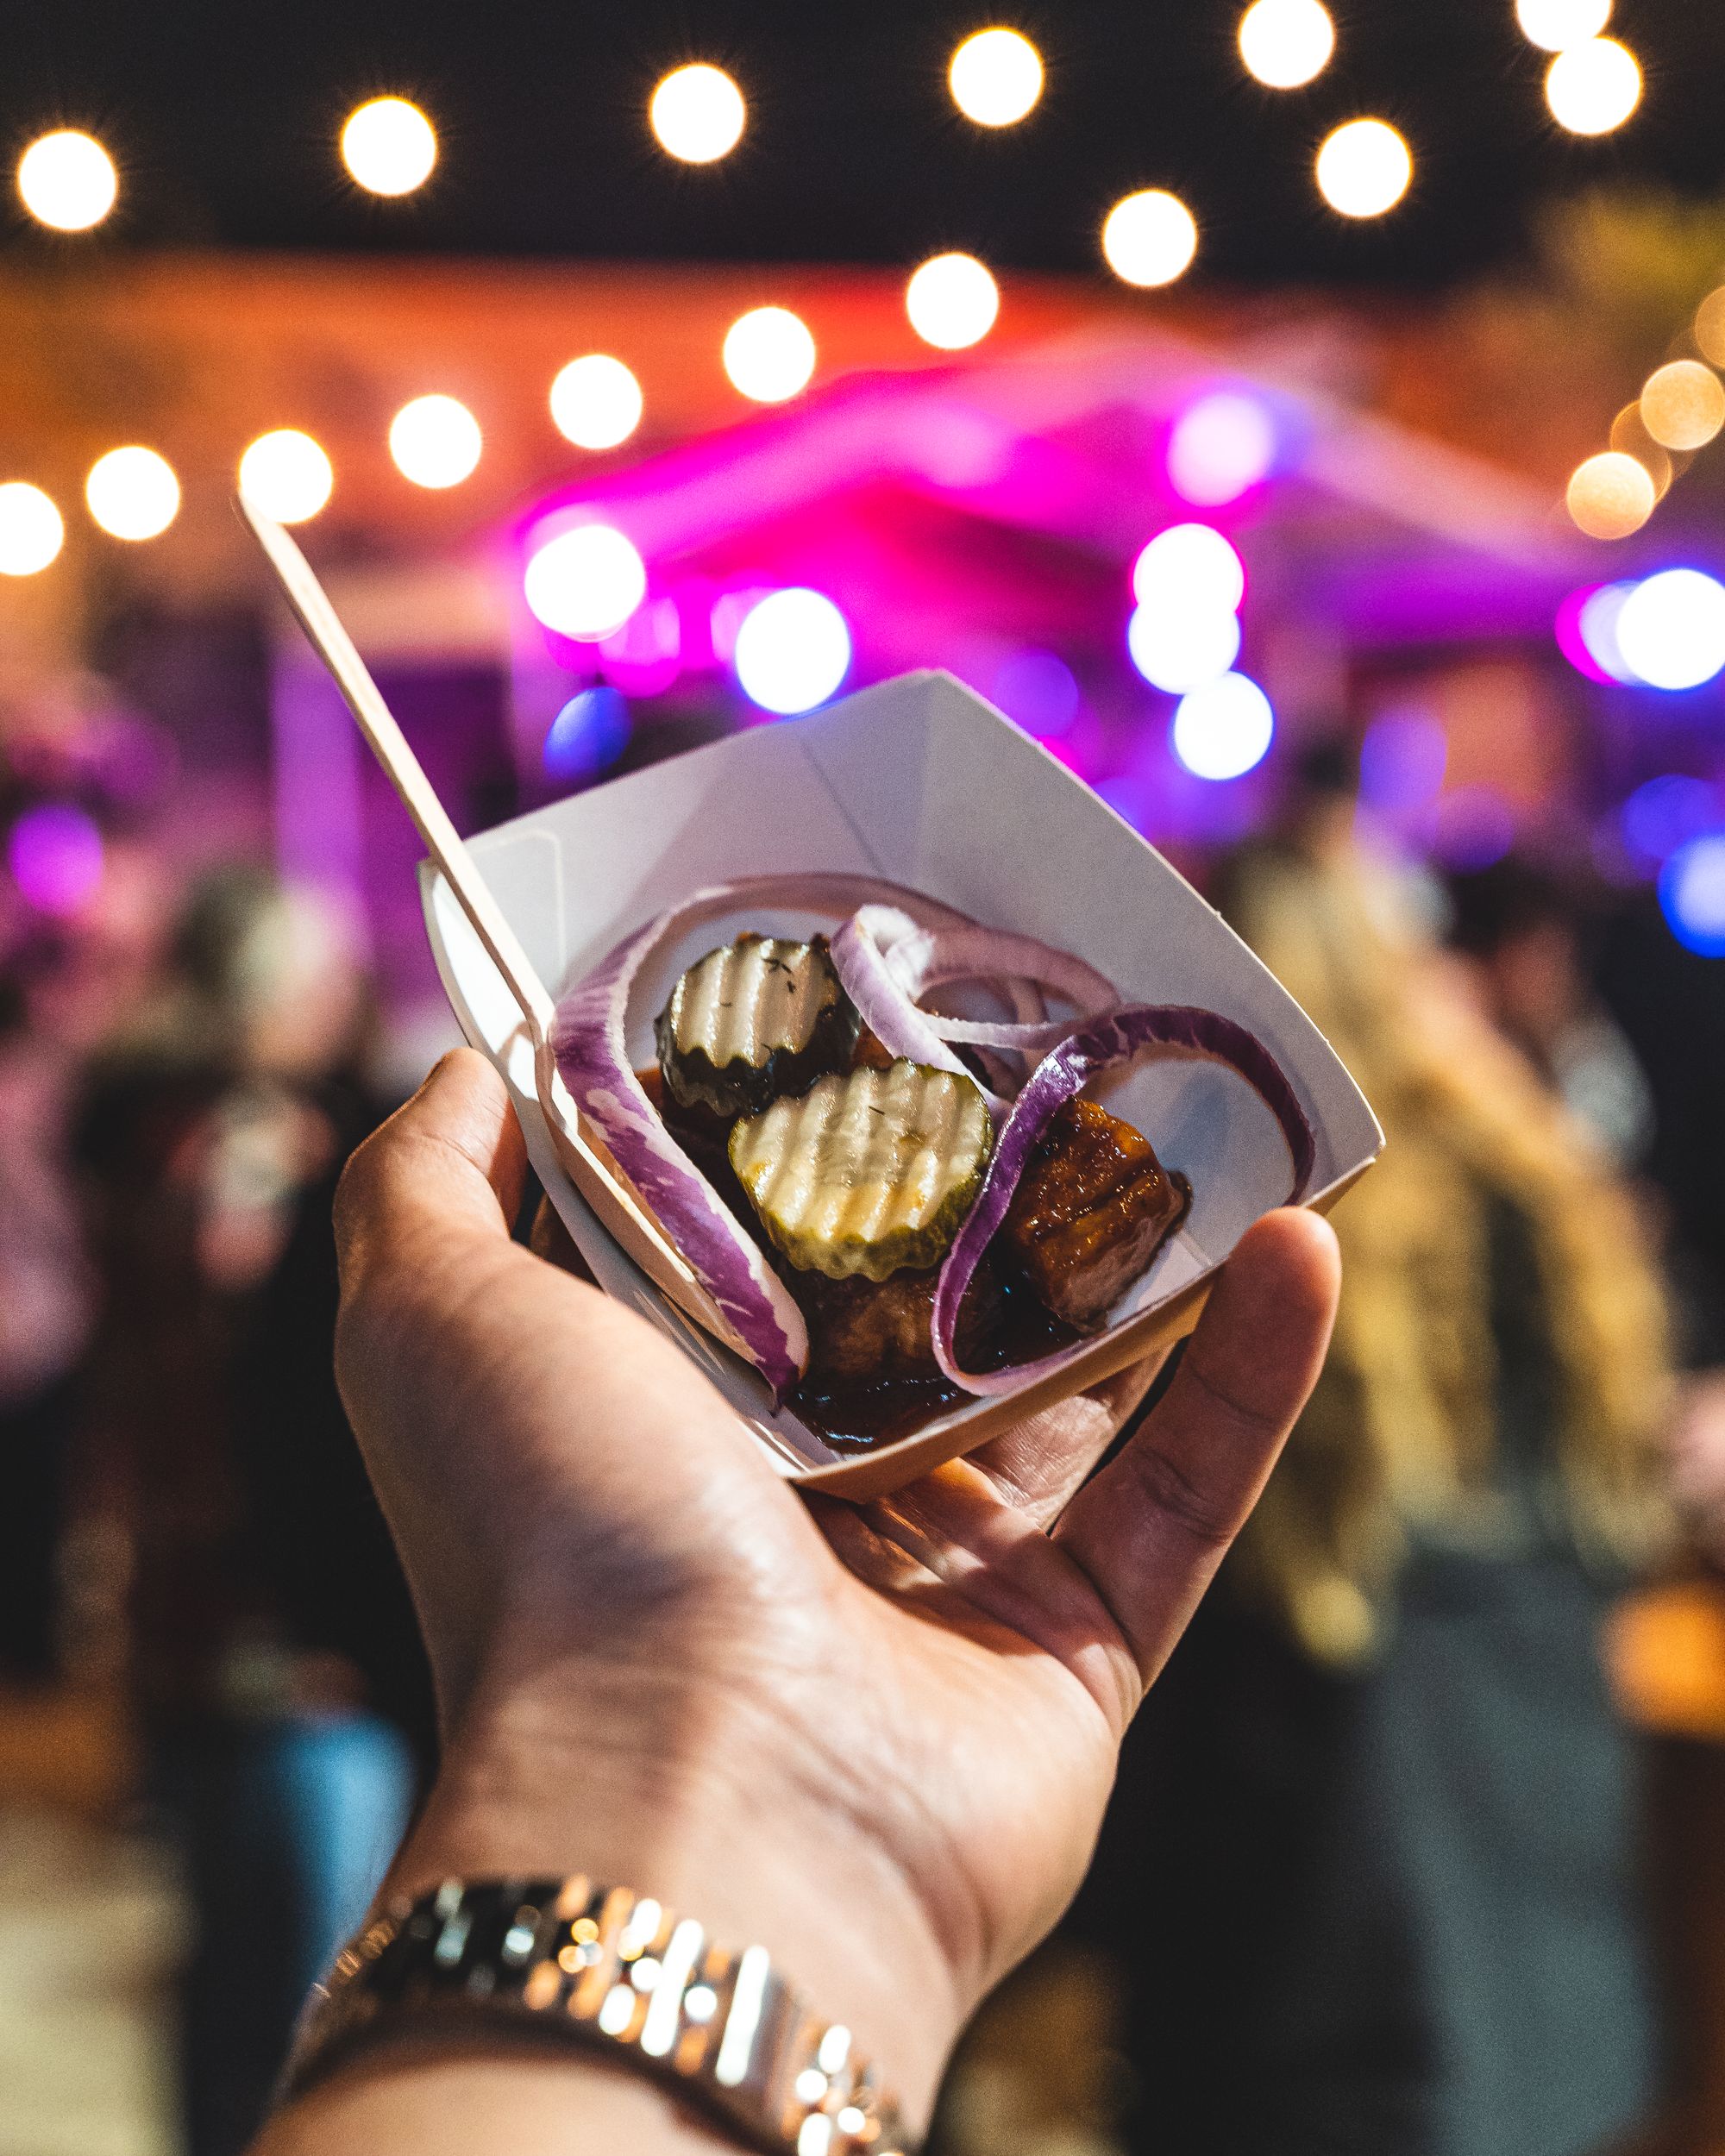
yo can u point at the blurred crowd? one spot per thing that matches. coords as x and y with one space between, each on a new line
1379 1875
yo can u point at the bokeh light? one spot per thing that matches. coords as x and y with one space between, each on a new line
1150 238
1666 813
952 302
1182 647
596 402
1709 326
1692 896
1593 87
1221 446
1671 630
1191 567
389 145
32 531
133 493
1471 828
1553 25
770 354
56 856
996 77
67 180
1223 729
585 583
1683 406
1629 434
697 114
587 735
1365 168
287 475
1287 43
1036 690
435 442
1402 757
792 650
1611 495
1597 624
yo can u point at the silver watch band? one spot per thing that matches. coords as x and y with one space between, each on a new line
606 1966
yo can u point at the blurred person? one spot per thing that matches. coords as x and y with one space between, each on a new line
1372 1866
273 1657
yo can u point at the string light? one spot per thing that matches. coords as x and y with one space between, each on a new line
32 531
389 145
770 354
1189 567
1150 238
133 493
1683 406
1611 495
287 475
585 583
1594 87
1365 168
952 302
435 442
697 114
1182 648
1555 25
1287 43
596 402
67 180
996 77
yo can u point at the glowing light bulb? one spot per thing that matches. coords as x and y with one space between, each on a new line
586 583
952 302
697 114
1224 729
1593 88
1150 238
1553 25
1692 896
1182 648
792 650
1286 43
389 145
67 180
1683 406
32 531
1671 630
996 77
435 442
1611 495
133 493
1364 168
596 402
1189 567
770 354
287 475
1221 447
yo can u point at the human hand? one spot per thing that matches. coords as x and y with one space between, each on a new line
878 1739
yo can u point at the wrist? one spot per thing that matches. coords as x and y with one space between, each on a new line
685 1794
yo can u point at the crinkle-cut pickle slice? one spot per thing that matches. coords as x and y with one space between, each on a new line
755 1018
867 1173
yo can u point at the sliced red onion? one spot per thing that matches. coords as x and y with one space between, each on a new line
1095 1047
590 1038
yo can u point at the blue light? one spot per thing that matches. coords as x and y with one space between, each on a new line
1402 762
1692 896
1666 813
1037 691
1223 729
589 733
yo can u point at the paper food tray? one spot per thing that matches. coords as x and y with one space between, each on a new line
920 781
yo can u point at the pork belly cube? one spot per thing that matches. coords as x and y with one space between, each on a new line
1093 1208
862 1329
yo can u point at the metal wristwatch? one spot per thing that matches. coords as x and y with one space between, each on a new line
604 1967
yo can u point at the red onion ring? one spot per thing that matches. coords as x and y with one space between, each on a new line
1097 1046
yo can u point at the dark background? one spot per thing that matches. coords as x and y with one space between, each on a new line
224 119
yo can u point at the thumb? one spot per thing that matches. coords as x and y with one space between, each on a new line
448 1166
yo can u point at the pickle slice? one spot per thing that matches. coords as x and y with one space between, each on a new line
754 1019
867 1173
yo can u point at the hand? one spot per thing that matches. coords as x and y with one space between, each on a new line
877 1739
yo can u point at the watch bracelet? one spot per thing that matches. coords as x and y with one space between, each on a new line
620 1973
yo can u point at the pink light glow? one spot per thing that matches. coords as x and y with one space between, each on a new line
1221 447
56 856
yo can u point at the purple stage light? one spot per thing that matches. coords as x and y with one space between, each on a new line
1692 896
56 856
1221 447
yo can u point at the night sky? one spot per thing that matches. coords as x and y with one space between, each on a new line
224 119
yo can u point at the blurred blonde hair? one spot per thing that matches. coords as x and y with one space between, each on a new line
1402 1428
